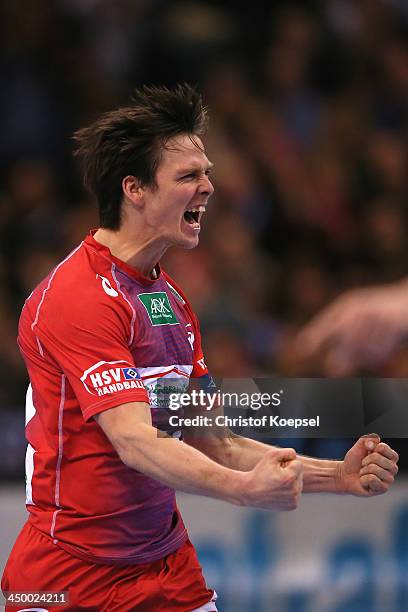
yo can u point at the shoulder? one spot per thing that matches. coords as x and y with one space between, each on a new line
80 291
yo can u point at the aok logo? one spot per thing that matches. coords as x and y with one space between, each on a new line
110 377
158 308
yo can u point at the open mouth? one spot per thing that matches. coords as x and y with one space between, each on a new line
193 216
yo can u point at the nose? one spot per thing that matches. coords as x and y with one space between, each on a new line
206 186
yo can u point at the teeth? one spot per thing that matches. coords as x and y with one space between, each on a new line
197 209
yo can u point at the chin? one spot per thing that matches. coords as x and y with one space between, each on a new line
186 242
189 244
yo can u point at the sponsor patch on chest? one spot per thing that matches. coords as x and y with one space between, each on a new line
158 308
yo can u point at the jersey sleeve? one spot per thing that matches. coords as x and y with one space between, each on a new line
89 343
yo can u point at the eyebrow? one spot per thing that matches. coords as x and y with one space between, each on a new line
195 168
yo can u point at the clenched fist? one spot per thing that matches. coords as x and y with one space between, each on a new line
368 468
276 481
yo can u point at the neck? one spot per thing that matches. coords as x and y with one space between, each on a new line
140 252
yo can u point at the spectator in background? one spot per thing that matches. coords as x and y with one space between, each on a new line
360 329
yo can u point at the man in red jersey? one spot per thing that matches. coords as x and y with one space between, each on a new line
97 334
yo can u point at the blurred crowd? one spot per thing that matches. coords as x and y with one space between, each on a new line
309 123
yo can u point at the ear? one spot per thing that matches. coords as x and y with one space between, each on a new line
132 190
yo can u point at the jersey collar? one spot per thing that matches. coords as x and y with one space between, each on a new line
129 270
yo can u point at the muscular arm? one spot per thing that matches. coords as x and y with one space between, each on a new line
368 468
243 454
273 483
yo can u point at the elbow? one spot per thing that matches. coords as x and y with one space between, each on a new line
129 451
131 440
127 458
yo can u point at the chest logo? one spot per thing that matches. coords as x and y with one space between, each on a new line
107 287
158 308
190 336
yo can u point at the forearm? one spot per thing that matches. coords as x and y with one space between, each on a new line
232 451
179 465
239 453
321 475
